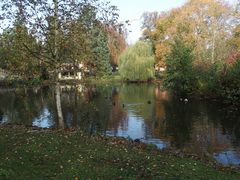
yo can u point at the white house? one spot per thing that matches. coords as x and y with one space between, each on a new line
71 71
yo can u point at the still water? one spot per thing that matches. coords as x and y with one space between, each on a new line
133 111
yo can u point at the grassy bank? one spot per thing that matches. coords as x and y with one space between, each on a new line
38 154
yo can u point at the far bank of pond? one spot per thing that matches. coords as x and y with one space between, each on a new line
136 111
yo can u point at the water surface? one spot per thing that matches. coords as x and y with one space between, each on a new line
133 111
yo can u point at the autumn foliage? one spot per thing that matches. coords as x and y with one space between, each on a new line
212 29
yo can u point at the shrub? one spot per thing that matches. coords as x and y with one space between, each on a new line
230 83
137 62
207 76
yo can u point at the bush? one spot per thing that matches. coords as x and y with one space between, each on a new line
179 68
137 62
207 76
230 83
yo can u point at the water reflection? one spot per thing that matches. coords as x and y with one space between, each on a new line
229 156
137 111
3 118
44 120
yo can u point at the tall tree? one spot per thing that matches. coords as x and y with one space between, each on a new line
137 62
179 73
149 24
210 26
101 54
117 44
48 20
13 56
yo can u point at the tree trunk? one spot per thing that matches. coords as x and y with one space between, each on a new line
213 47
59 106
75 108
56 31
56 61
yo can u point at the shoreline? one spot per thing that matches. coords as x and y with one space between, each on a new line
208 159
120 142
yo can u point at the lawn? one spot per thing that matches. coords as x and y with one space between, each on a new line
28 153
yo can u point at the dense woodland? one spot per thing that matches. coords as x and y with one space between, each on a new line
197 44
39 36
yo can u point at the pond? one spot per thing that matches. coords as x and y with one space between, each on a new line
136 111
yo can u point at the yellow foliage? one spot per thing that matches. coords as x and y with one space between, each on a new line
161 51
202 23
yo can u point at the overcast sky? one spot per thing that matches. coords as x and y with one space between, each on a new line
133 9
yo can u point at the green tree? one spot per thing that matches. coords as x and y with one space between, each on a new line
13 56
137 62
210 25
101 54
53 22
48 21
230 83
179 73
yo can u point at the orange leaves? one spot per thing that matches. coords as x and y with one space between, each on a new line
201 23
233 57
116 43
162 49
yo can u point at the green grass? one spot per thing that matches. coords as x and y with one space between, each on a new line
45 154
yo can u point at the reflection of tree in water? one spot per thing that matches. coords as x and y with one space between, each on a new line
201 127
158 123
100 108
231 126
139 98
226 119
138 103
22 105
1 115
210 134
179 121
88 110
117 115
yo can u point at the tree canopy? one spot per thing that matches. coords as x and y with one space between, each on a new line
64 30
179 67
209 23
137 62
